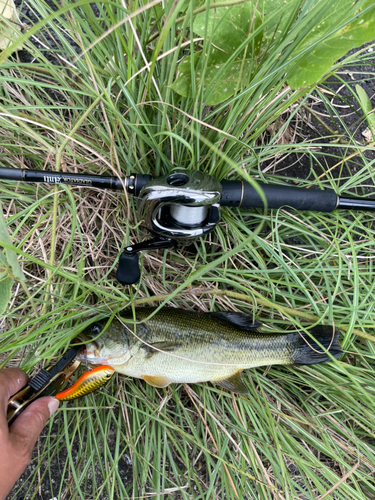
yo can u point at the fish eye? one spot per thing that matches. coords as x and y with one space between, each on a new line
96 329
108 375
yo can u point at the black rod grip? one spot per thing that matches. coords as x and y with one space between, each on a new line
242 194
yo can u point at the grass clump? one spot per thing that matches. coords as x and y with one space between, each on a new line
97 95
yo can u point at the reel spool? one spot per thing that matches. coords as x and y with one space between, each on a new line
177 208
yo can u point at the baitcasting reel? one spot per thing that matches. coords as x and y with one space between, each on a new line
176 208
180 207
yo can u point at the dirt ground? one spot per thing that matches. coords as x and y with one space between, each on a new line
298 165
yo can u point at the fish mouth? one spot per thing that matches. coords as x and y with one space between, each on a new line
91 356
88 352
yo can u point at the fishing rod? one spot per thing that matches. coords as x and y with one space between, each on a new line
182 206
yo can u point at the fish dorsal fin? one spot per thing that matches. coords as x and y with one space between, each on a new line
156 381
240 320
234 383
156 347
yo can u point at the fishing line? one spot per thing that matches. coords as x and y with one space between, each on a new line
188 216
170 354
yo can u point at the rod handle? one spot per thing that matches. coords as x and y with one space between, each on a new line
242 194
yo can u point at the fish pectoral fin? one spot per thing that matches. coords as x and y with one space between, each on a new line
240 320
234 383
156 347
156 381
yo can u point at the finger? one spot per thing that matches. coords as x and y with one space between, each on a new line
11 381
26 428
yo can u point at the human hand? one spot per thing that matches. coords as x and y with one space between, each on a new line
17 441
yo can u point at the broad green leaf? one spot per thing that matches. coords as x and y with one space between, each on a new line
275 25
157 11
371 119
4 267
6 283
364 99
307 6
11 256
357 26
220 77
230 27
5 292
227 28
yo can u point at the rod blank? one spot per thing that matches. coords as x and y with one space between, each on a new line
133 183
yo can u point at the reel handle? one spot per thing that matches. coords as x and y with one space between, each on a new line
128 271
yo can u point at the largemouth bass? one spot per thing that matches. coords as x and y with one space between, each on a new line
178 346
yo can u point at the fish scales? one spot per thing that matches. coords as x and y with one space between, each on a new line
180 346
210 337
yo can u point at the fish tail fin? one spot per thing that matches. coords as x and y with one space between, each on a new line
308 350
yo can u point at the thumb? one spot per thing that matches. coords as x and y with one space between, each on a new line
25 430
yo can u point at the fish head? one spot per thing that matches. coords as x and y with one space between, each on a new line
106 346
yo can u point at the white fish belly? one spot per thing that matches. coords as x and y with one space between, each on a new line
186 370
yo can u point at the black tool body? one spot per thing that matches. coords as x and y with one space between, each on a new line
45 383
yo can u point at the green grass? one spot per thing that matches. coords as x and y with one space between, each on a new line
301 433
